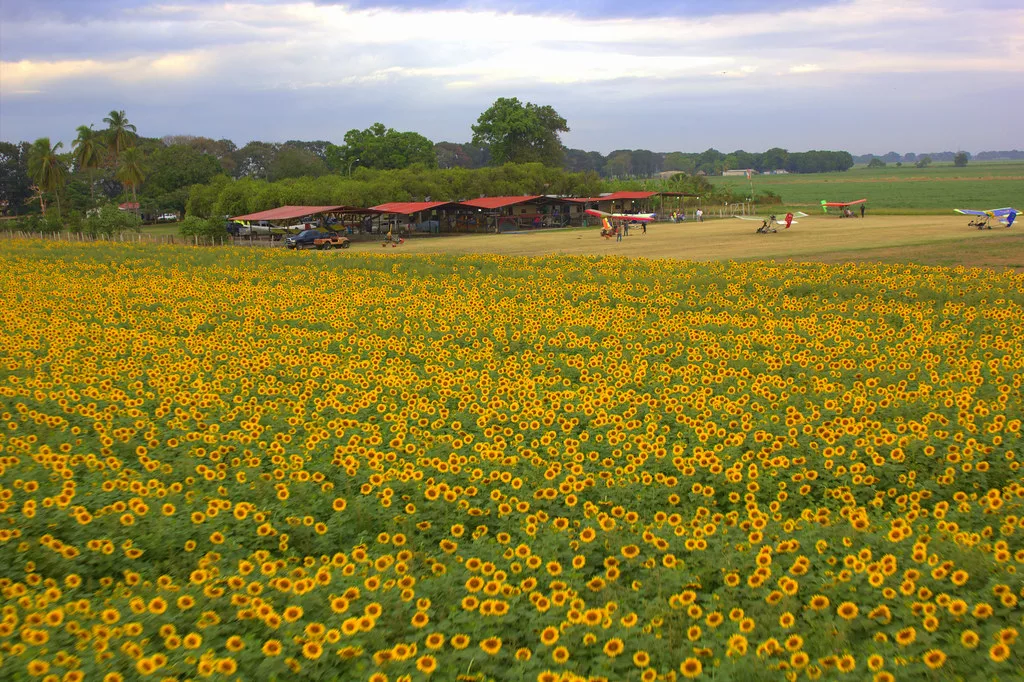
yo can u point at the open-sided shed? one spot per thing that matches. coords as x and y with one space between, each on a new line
421 216
518 212
635 202
627 202
350 219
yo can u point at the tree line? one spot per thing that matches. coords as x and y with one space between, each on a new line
943 157
370 187
116 163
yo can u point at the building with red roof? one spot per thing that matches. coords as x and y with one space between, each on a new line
421 216
528 211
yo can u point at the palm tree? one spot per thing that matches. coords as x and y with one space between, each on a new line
46 169
122 132
87 155
129 170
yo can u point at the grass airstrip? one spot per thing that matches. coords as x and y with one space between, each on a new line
517 457
932 240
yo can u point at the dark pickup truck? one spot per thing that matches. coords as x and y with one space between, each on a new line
307 239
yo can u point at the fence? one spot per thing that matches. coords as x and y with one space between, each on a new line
139 238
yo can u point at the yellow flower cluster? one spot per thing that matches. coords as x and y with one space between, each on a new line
387 468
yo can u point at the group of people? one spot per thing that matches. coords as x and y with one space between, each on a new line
847 213
680 216
609 230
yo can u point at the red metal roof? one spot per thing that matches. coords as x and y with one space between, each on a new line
129 206
619 196
492 203
409 207
295 212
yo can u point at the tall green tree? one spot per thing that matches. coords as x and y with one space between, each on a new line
295 162
130 171
46 169
381 148
521 133
88 155
170 171
15 182
121 132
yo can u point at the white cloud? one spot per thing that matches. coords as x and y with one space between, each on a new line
277 67
298 45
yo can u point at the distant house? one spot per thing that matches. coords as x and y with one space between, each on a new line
778 171
739 171
129 206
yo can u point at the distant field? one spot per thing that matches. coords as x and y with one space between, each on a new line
938 188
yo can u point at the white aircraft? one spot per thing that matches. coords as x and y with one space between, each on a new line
771 223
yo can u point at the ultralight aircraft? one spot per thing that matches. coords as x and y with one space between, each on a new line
843 206
629 217
772 223
981 219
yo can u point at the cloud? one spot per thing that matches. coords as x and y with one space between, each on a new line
441 57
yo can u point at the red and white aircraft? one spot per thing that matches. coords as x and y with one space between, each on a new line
841 205
629 217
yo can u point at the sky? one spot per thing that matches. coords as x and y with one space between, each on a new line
867 76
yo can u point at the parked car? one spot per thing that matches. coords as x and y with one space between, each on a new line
306 239
334 241
167 218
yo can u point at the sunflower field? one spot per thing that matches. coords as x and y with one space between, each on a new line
317 466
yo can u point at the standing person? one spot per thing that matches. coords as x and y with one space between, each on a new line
862 210
700 215
618 233
644 226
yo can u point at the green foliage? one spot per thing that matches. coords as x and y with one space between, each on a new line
924 162
452 155
203 198
110 221
172 170
521 133
34 223
47 169
876 163
224 197
15 183
380 148
292 162
961 159
120 133
130 170
206 230
254 159
88 154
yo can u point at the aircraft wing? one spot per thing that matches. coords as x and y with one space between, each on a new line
842 204
969 211
639 217
1001 212
799 214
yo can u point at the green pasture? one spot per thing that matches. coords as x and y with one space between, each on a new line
905 190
